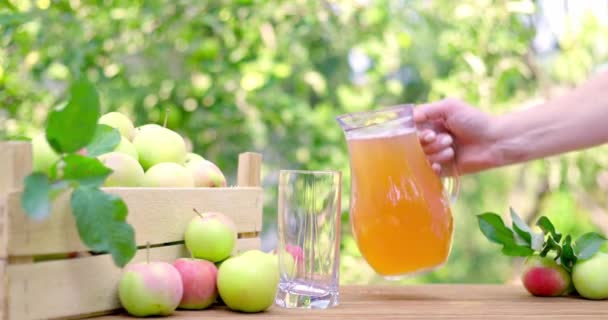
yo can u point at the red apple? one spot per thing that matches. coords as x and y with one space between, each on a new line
199 278
542 276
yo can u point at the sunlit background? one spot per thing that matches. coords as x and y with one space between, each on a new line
271 76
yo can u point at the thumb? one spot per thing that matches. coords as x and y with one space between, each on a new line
433 111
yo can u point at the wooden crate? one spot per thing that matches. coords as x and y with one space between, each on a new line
86 285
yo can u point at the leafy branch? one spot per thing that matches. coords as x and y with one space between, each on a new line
521 240
100 217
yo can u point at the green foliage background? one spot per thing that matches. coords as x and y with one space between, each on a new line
271 76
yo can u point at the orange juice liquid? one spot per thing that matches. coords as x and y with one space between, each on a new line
400 217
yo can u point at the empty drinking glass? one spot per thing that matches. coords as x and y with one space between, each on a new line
309 238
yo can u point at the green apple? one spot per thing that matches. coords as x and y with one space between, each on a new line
590 277
43 154
248 282
168 175
211 236
150 289
119 121
157 145
140 129
125 146
206 174
191 156
126 171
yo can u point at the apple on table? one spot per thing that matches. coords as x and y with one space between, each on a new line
199 278
150 289
590 277
248 282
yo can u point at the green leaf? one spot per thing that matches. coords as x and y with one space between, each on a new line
517 251
521 228
101 221
551 245
84 170
492 226
105 140
567 258
36 198
588 244
545 224
72 126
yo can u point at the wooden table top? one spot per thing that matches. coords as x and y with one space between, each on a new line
440 301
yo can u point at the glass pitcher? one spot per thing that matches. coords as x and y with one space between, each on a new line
399 207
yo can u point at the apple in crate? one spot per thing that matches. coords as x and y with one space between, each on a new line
191 156
157 144
150 289
126 171
168 174
206 173
248 282
140 129
199 278
119 121
211 236
125 146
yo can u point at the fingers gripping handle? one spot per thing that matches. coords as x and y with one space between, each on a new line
449 172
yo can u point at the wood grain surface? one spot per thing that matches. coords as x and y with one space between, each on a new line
425 302
160 215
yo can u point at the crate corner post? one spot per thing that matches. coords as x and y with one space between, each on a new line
249 169
15 165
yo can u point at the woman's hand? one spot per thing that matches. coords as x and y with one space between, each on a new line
453 130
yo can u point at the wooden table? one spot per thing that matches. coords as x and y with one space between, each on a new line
426 302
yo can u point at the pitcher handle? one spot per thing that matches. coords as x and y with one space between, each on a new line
450 181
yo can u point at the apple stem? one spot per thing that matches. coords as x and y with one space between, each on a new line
166 117
198 213
148 252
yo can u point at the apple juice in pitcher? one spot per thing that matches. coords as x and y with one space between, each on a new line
400 216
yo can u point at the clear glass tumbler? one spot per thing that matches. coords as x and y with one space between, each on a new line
309 238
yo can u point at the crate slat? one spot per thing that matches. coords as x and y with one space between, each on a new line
64 288
159 214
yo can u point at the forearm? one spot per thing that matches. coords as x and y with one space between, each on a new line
574 121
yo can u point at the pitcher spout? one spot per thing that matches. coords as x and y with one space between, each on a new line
399 117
